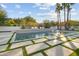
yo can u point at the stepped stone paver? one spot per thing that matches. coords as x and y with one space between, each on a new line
36 47
16 52
58 51
40 40
74 36
72 45
76 40
3 47
4 37
38 54
70 34
54 42
4 40
68 38
15 45
5 34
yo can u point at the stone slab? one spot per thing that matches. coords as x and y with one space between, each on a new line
76 40
16 52
15 45
54 42
4 37
72 45
58 51
39 40
36 47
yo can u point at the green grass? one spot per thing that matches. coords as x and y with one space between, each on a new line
75 53
32 41
11 38
24 51
9 45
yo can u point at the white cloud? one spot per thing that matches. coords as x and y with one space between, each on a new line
53 16
44 6
29 13
4 6
50 13
17 6
50 16
43 14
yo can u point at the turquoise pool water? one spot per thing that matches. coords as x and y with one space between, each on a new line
29 36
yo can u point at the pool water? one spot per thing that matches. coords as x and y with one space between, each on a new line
30 36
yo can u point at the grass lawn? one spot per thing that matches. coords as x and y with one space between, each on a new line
75 53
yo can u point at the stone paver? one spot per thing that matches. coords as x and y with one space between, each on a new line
72 45
40 40
76 40
54 42
38 54
36 47
16 52
4 37
72 33
4 40
74 36
15 45
3 47
5 34
58 51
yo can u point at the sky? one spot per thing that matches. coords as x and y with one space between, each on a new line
40 11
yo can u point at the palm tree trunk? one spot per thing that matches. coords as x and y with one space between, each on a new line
64 17
67 18
57 21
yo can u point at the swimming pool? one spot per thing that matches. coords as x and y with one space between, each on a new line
31 35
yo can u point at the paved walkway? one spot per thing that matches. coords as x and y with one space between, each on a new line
40 47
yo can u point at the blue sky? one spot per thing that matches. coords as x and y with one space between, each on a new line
40 11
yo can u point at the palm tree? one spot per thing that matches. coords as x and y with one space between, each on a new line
67 6
58 9
68 13
64 5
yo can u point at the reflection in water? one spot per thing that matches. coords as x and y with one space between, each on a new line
29 36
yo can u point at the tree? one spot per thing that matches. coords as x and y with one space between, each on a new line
67 8
64 5
68 12
52 23
47 24
3 16
29 22
10 22
58 9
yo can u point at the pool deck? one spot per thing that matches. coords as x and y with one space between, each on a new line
40 47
